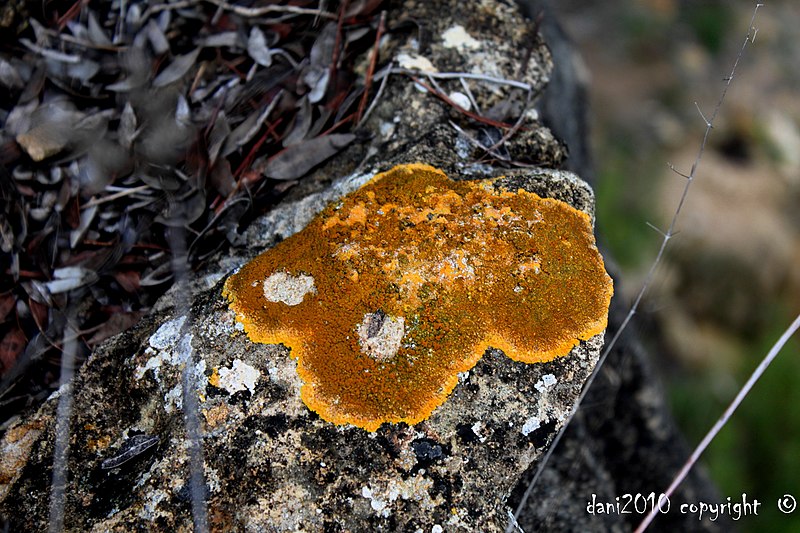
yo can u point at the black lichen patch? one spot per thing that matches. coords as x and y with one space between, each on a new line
542 436
428 452
466 434
274 425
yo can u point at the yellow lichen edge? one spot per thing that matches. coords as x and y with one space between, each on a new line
387 295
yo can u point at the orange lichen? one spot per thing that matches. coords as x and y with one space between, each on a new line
388 294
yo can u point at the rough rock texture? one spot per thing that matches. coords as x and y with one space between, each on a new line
270 463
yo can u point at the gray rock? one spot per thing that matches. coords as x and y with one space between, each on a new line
270 463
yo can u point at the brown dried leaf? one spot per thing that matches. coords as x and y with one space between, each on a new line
39 312
296 160
7 303
42 142
10 348
221 177
129 280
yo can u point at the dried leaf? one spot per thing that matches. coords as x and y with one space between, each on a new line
157 276
302 123
43 142
10 348
68 278
257 47
322 51
50 54
177 69
39 312
226 39
83 71
37 291
9 76
221 177
158 40
247 129
127 127
317 80
128 280
296 160
356 34
7 303
217 137
87 216
319 124
96 33
50 129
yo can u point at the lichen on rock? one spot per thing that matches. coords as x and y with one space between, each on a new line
413 277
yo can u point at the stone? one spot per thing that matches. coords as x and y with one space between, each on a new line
270 463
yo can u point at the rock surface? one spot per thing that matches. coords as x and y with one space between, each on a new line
270 463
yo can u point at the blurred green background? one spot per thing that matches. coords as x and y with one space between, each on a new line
730 283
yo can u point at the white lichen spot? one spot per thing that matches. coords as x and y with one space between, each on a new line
149 510
436 529
239 377
531 425
164 348
457 37
414 62
547 381
287 289
174 399
380 335
463 147
416 488
154 364
164 337
477 428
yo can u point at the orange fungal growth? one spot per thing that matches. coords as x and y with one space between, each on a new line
391 292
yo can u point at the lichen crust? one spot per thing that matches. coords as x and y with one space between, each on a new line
437 271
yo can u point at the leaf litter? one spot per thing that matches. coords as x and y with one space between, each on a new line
120 120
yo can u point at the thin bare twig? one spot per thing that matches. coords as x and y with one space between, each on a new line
488 149
371 70
446 99
264 10
517 125
375 100
650 274
754 377
464 75
111 197
240 10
